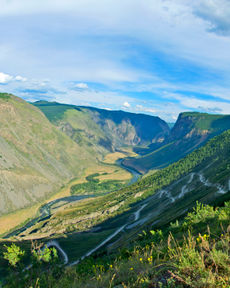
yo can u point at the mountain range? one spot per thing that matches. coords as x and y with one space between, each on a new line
46 146
39 154
104 130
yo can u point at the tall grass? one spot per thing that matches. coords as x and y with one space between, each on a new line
192 252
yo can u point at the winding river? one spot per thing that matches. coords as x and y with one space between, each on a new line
136 175
45 210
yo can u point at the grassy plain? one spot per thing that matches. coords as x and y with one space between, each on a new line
12 220
111 158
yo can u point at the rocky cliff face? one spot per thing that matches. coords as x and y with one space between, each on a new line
199 124
130 128
104 130
183 127
187 125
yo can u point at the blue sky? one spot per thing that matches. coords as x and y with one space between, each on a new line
159 57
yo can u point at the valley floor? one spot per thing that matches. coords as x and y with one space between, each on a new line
107 170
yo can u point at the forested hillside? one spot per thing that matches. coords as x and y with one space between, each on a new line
111 221
191 131
202 175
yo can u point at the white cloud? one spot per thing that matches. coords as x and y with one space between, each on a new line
97 47
5 78
94 98
145 109
20 78
126 104
81 86
167 110
176 27
194 103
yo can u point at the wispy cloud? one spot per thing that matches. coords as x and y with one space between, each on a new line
20 78
81 86
216 13
161 57
146 109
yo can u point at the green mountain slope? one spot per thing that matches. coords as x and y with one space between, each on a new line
35 157
191 130
191 252
116 218
113 221
104 130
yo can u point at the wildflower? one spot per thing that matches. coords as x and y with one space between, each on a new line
141 259
131 269
150 259
111 266
206 236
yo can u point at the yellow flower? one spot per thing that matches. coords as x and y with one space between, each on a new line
131 268
141 259
111 266
150 259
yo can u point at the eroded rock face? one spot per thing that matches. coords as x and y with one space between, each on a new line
105 130
133 129
191 124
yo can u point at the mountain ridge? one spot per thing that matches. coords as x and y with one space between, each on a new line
191 130
105 130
